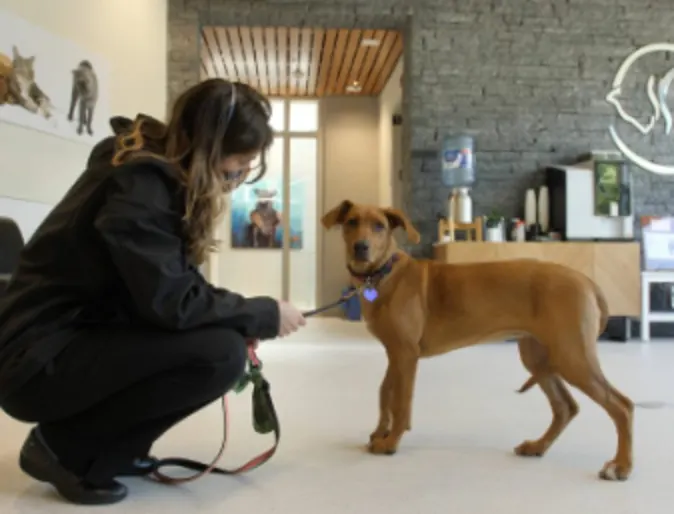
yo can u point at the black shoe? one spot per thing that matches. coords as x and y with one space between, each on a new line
140 467
39 462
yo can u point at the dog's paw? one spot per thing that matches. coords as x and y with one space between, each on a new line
531 449
383 446
615 471
380 433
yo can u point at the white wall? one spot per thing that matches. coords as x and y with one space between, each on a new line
131 34
390 103
351 170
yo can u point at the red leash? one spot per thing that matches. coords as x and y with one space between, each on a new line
265 420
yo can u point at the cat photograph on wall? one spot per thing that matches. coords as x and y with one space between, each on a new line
84 96
51 84
18 85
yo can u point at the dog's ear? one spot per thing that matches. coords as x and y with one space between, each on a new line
337 215
397 219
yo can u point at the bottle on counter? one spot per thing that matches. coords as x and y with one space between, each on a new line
521 232
544 209
464 206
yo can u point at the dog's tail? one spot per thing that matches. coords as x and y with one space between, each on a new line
531 382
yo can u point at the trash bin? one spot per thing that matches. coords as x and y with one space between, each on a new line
351 307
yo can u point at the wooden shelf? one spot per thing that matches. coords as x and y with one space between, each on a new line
614 266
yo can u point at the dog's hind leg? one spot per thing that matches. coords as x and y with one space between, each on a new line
581 369
535 358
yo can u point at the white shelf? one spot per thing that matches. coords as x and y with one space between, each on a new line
660 316
655 277
648 317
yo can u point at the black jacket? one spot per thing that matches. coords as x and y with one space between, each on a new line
111 252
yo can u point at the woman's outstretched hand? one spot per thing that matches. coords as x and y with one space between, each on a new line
291 319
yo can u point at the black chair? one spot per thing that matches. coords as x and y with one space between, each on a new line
11 244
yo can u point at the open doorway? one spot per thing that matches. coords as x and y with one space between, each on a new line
334 95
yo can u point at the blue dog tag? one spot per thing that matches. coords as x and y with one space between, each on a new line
370 294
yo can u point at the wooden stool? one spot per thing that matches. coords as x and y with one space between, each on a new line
473 230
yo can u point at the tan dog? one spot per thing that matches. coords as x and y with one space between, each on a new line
426 308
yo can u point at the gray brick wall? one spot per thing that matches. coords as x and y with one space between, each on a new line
527 77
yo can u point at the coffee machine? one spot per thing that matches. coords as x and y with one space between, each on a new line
573 199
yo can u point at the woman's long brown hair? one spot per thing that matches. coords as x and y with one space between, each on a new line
209 122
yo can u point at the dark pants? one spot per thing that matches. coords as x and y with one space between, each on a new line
113 392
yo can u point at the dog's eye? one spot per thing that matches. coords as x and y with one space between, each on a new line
378 227
353 222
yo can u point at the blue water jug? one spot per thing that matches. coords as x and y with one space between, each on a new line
458 161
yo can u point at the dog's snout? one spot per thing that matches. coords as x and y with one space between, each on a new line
361 249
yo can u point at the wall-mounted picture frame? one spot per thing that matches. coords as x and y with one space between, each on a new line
50 84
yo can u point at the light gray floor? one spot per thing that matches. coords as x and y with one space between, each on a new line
457 459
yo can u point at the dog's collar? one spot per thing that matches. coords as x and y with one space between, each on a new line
374 277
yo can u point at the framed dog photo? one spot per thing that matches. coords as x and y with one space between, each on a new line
257 216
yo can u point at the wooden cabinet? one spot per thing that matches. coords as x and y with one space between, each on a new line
614 266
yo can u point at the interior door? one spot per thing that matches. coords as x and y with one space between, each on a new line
300 224
259 257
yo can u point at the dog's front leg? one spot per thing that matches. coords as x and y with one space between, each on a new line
385 399
403 371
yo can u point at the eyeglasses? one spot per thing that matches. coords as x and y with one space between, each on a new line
234 179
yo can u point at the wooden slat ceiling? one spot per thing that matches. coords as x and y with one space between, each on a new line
302 62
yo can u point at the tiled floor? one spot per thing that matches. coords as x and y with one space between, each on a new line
457 459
